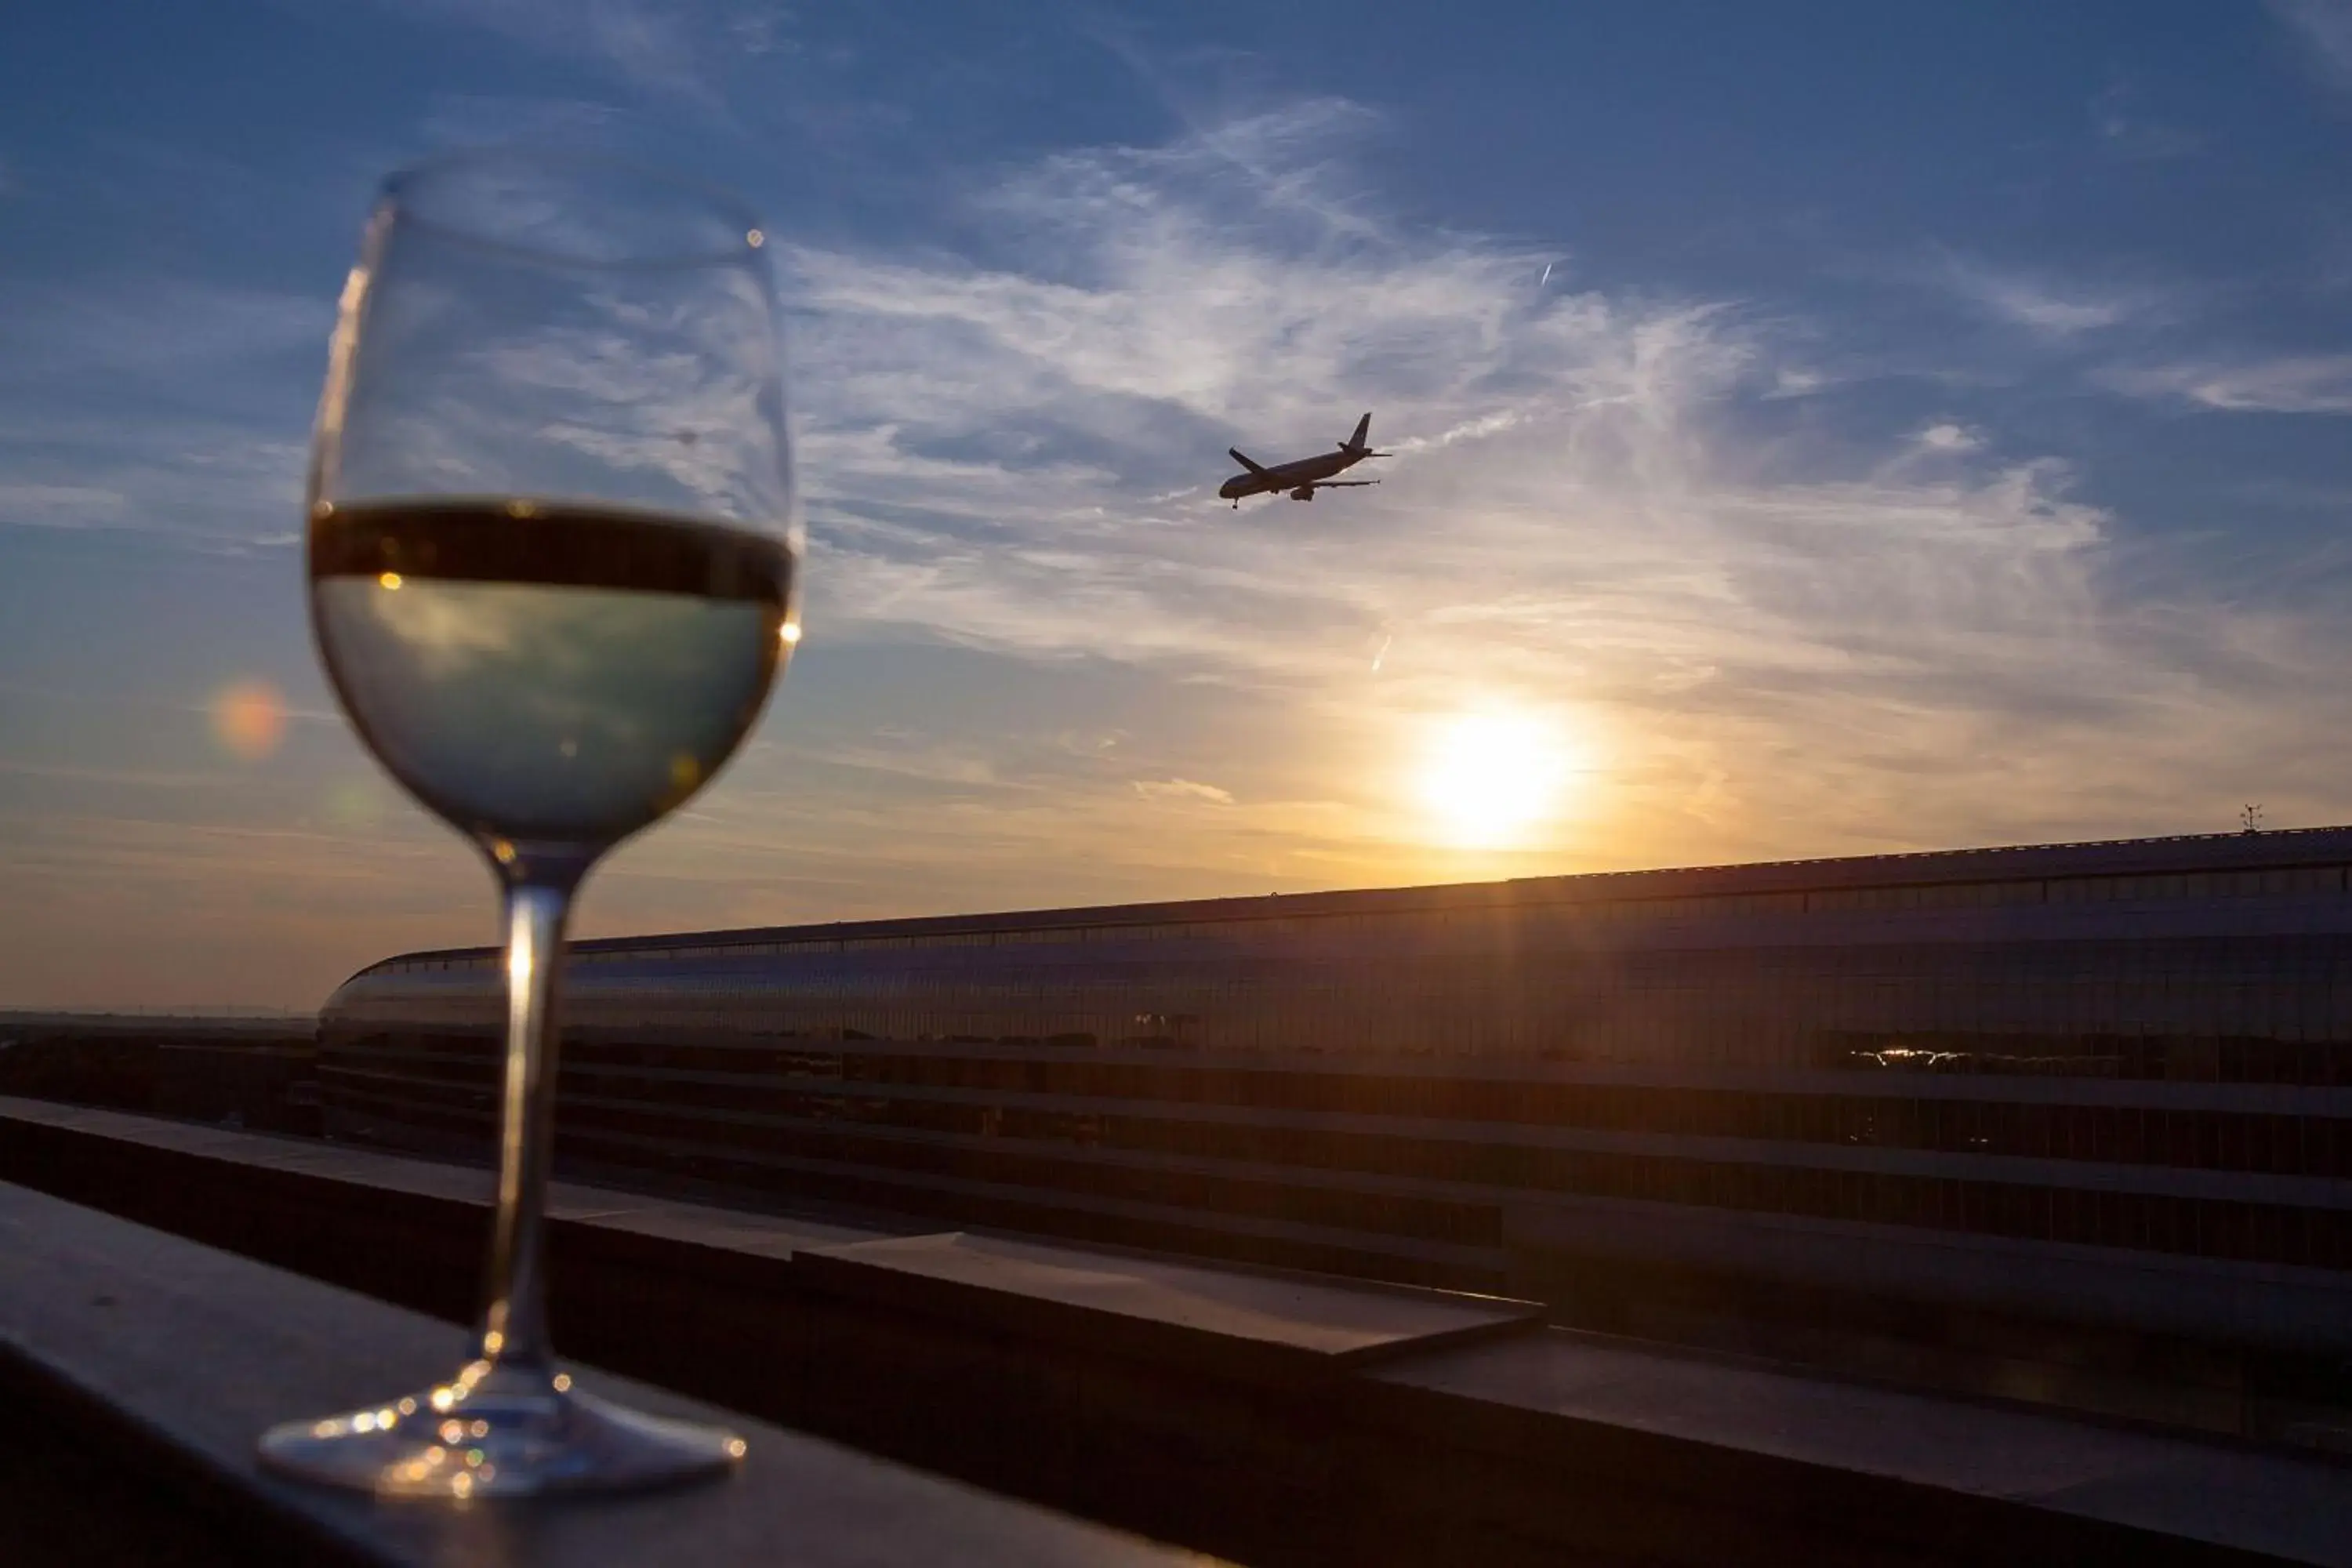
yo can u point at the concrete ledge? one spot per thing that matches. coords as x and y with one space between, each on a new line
1152 1393
1948 1477
1234 1321
173 1358
2306 1310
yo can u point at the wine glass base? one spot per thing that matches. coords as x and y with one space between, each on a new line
499 1433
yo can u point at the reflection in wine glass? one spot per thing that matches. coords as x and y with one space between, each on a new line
552 554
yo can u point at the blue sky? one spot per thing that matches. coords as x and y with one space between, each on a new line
1836 427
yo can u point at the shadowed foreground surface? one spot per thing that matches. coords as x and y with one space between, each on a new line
1262 1415
153 1353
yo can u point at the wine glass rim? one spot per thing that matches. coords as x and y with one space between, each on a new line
401 186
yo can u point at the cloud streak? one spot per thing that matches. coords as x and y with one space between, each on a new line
2324 28
2307 384
157 405
677 50
2041 306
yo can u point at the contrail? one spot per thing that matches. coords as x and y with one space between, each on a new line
1547 277
1383 653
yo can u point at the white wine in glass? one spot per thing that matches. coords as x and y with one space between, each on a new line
552 557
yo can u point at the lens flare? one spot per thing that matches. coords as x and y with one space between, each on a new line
248 719
353 805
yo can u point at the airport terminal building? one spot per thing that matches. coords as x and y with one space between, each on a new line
2069 1121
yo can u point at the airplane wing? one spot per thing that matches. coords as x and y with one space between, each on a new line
1235 454
1342 484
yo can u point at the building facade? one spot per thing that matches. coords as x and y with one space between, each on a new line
2106 1086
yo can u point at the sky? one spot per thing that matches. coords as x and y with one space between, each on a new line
1820 429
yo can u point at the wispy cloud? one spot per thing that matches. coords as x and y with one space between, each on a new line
175 407
2323 27
2309 384
480 119
61 506
675 49
2041 305
1948 437
896 751
1046 665
156 324
1181 790
2125 131
321 903
201 482
1844 648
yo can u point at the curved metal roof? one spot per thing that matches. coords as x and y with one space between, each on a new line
2180 854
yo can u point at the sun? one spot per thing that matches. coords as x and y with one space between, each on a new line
1490 779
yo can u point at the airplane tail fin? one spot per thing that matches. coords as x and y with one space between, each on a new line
1361 438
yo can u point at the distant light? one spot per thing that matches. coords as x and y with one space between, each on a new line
789 632
755 240
389 580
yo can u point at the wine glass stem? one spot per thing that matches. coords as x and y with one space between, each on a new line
514 1311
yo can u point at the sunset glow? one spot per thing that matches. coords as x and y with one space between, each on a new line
1902 428
1492 779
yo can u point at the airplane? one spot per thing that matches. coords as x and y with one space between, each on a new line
1302 478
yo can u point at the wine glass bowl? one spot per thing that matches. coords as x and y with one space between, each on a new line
553 554
543 672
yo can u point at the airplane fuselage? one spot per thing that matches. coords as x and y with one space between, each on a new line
1284 476
1299 479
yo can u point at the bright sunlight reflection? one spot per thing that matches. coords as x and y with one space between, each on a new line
1490 779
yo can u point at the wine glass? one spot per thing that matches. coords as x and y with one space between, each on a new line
553 554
